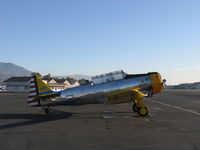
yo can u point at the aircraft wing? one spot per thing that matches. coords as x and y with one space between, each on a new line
124 96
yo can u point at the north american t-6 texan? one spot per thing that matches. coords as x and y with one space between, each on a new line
110 88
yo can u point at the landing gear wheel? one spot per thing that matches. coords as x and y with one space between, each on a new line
143 111
135 108
46 110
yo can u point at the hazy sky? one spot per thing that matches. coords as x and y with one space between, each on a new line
90 37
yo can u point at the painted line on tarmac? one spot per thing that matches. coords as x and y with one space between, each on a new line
176 107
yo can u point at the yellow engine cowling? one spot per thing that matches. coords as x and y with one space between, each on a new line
157 83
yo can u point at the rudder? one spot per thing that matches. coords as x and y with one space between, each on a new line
38 90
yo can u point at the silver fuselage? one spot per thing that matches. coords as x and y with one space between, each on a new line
97 94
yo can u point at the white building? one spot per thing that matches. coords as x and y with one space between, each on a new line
197 85
76 83
60 84
56 86
21 84
17 84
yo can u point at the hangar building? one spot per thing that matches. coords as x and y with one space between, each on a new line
17 84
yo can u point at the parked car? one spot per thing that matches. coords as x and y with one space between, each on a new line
2 89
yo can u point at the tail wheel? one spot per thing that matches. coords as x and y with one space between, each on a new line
46 110
143 111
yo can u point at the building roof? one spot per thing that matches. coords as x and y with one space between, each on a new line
60 80
71 81
18 79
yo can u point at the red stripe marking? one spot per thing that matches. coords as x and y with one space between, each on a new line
32 87
33 96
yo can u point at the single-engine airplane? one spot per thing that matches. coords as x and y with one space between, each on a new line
110 88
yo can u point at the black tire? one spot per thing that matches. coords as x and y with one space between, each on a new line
143 112
135 108
46 110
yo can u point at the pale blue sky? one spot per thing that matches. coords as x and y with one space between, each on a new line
90 37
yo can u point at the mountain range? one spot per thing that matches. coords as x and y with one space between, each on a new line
8 70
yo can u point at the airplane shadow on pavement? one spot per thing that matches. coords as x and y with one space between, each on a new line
56 115
32 118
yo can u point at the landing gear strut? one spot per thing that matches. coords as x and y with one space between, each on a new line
140 108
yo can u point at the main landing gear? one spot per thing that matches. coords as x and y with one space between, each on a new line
46 110
140 108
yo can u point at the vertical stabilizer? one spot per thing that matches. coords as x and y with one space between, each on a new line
38 90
